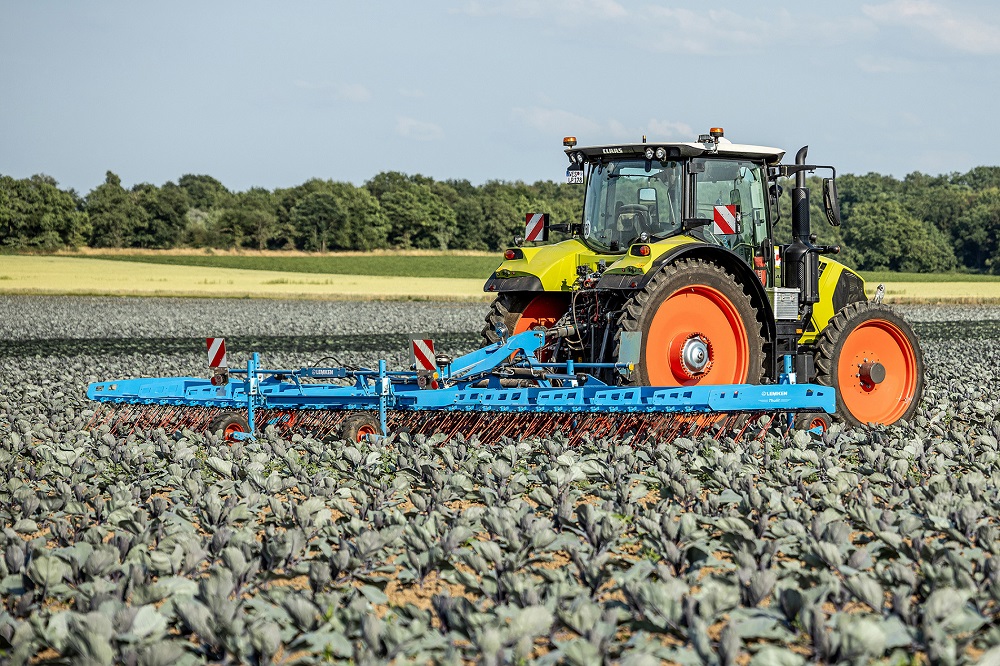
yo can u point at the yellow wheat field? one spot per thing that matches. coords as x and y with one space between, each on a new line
75 275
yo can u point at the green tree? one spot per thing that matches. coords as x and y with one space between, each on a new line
204 192
36 214
320 221
977 233
418 217
251 221
369 227
165 220
114 214
882 235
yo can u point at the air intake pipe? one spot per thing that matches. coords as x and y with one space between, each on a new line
801 258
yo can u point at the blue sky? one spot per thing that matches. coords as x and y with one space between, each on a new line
271 94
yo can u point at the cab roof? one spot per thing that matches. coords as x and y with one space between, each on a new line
682 150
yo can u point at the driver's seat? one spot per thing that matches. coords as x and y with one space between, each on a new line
625 226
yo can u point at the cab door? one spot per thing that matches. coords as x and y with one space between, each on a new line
730 192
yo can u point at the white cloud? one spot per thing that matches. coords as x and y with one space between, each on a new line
555 121
418 130
562 123
564 11
883 65
351 92
670 129
962 32
354 92
712 31
653 130
687 28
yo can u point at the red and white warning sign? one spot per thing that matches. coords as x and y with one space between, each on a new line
216 352
777 256
423 354
724 220
536 227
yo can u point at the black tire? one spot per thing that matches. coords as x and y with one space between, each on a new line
229 423
506 309
811 420
641 308
900 382
358 425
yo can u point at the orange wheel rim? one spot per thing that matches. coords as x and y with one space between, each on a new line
690 313
818 422
366 430
877 341
543 310
231 430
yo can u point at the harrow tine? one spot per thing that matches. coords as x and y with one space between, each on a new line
487 427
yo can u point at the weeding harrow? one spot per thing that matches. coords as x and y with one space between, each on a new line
501 390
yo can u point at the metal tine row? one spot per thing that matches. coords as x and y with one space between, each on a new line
488 428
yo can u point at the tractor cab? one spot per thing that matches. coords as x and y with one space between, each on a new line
712 190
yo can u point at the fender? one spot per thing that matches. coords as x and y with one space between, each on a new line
731 262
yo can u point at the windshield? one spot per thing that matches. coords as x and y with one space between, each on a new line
629 197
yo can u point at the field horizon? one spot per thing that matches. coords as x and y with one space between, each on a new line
378 275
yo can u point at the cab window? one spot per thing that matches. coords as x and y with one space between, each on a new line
738 184
629 197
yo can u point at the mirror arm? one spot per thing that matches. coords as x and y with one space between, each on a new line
695 222
788 170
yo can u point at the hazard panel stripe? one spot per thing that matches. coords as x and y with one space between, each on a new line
423 352
216 352
724 220
534 227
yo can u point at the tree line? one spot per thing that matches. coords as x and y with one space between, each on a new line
919 223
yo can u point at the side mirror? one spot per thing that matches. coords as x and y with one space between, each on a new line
830 201
776 191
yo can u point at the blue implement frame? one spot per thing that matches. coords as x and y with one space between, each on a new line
469 383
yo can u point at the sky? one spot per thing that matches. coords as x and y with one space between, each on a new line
271 94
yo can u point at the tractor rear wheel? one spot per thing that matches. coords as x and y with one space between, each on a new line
871 356
698 327
229 423
520 312
360 425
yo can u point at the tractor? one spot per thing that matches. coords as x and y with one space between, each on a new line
673 277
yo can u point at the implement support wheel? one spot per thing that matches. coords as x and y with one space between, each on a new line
871 356
813 421
698 327
230 424
357 427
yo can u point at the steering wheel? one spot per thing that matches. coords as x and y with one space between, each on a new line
643 223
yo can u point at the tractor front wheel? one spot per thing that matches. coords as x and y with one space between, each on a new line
698 327
871 356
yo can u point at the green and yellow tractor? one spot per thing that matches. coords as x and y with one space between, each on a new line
673 274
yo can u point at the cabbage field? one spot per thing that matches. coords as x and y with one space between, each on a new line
860 546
